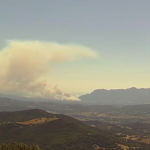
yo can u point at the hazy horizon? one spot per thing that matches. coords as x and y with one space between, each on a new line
59 49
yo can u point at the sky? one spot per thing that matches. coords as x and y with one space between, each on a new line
67 47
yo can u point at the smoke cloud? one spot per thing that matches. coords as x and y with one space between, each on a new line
23 63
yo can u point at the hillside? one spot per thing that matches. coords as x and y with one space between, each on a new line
56 131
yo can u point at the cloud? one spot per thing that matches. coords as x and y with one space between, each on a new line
22 64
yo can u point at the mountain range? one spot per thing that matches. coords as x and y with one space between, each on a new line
131 96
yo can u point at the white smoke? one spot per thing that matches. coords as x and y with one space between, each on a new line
22 63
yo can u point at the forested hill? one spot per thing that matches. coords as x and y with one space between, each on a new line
56 131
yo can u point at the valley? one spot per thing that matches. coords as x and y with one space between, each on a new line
48 125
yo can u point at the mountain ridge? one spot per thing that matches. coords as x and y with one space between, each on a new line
128 96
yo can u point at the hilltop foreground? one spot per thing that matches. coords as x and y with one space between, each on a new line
56 131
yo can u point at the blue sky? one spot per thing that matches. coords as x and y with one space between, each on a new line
118 31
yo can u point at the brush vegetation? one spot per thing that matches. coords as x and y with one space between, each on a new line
56 131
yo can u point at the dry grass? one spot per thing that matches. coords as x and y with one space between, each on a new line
123 147
37 121
138 138
96 147
147 141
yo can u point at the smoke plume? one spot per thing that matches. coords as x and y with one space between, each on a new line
23 63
